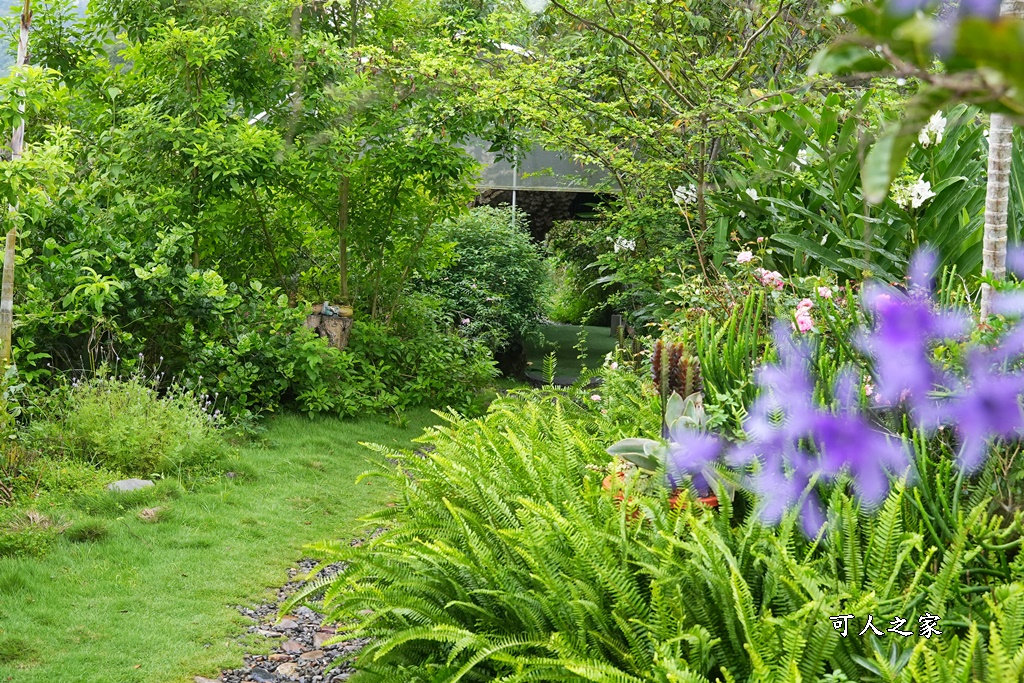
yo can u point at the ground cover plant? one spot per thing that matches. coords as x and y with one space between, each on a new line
119 596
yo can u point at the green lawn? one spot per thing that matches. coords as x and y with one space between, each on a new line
152 602
561 339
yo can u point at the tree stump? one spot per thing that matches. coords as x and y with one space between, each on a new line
332 326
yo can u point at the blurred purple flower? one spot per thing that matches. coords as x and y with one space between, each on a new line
987 407
784 422
902 8
905 326
949 14
983 9
691 453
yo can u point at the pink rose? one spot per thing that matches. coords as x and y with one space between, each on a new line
744 257
804 305
804 322
824 292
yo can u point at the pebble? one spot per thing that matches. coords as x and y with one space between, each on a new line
289 670
303 656
261 675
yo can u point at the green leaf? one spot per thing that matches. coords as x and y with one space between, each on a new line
631 446
846 59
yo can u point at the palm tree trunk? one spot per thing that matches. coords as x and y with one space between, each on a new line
997 196
17 142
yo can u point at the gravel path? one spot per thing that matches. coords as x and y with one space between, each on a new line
301 654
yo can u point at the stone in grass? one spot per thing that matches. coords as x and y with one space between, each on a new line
201 679
129 485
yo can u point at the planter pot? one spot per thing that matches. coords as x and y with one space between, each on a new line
710 501
673 500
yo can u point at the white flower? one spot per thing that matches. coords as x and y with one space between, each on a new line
901 81
622 243
801 157
614 366
745 257
752 193
743 214
921 191
685 195
933 130
595 397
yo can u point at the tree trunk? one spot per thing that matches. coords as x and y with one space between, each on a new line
17 141
997 195
343 238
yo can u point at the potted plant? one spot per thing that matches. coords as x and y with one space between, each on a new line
652 456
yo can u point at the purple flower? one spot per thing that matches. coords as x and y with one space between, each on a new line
983 9
905 327
795 441
902 8
987 407
692 453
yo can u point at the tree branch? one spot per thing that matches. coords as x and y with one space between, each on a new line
633 46
750 42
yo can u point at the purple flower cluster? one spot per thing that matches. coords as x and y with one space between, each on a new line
949 13
986 9
795 441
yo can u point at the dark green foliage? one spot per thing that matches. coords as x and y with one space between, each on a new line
804 159
264 358
494 287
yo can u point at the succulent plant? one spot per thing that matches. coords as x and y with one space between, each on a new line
680 413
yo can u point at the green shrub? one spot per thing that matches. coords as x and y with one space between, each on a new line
266 359
126 426
88 530
495 285
572 300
